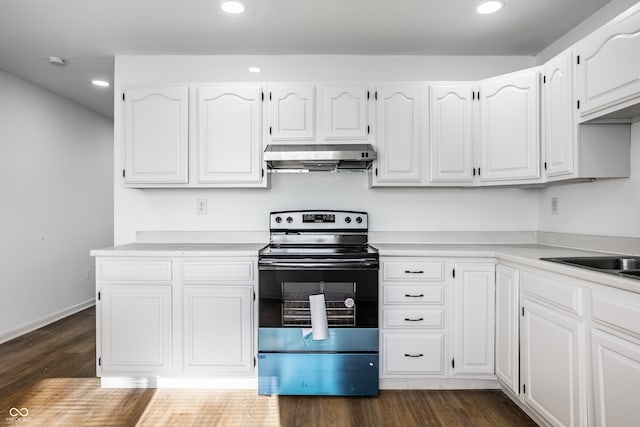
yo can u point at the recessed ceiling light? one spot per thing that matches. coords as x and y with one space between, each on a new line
100 83
254 69
233 7
55 60
489 7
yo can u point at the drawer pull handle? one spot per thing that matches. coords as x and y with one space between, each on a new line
413 355
408 319
414 272
414 296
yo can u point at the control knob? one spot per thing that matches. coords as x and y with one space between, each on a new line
347 220
289 219
359 220
278 219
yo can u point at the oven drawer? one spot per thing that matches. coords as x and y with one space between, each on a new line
414 270
419 353
413 294
407 318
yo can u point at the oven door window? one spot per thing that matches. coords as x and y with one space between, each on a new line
339 300
284 297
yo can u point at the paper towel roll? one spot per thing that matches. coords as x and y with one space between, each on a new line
319 325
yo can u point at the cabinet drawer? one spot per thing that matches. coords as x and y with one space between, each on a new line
617 308
556 290
421 353
136 270
404 318
414 294
194 271
414 270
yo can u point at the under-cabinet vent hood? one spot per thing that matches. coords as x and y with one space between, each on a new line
315 157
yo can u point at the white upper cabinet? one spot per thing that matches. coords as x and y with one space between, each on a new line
608 67
474 314
156 130
229 126
451 133
509 127
557 116
345 112
400 111
292 112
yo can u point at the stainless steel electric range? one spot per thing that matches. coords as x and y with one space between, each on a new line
313 253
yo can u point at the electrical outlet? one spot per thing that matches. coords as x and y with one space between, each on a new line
87 273
201 206
554 206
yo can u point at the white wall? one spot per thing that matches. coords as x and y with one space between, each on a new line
56 162
586 27
389 209
606 207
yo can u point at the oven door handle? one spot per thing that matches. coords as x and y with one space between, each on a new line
294 265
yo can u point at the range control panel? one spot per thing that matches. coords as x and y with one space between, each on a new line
318 220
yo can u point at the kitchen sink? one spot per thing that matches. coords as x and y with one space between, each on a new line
619 265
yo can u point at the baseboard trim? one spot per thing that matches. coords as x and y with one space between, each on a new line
250 383
438 384
44 321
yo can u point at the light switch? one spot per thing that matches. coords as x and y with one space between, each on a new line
201 207
554 206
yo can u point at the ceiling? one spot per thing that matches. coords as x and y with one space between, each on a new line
88 33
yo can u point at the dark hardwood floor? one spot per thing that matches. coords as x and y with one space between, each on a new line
51 372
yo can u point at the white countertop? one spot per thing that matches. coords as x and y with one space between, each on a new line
181 249
526 254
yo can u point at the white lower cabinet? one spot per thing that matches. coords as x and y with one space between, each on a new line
473 319
615 356
554 380
217 325
507 356
428 316
134 329
195 318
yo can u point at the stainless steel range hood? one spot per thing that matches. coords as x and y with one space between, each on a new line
316 157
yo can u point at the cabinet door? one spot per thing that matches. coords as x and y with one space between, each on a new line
616 375
136 329
553 374
399 112
217 329
557 121
507 326
292 109
473 323
229 134
345 112
509 128
451 133
156 135
608 72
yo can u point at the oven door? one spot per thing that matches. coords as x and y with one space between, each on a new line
351 297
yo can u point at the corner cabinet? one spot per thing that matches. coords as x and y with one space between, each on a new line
507 357
451 133
156 135
509 127
229 126
473 319
558 109
400 124
608 68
